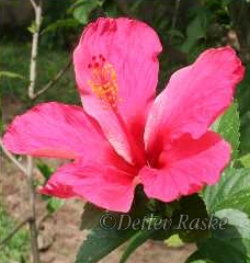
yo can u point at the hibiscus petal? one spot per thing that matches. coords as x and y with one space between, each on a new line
103 185
55 130
195 96
185 166
116 69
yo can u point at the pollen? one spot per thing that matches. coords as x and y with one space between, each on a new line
103 80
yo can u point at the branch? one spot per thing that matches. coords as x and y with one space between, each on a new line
42 219
15 230
34 51
32 223
12 158
52 82
33 3
37 6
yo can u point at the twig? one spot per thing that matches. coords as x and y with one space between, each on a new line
35 38
52 82
33 3
42 220
37 6
33 63
32 197
12 158
15 230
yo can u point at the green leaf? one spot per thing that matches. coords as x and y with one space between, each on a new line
243 97
232 191
174 241
82 8
231 244
191 208
176 33
101 241
90 216
245 160
59 24
54 204
32 28
196 30
228 127
10 74
110 230
45 170
137 240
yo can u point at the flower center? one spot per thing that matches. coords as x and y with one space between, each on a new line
103 80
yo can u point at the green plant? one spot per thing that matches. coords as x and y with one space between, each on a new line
17 247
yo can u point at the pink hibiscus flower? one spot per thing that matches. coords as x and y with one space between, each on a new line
124 136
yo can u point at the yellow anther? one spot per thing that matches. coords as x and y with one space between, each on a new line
103 83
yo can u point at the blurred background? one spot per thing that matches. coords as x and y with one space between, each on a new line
185 27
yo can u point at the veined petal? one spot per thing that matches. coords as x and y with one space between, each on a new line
56 130
116 69
102 184
195 96
185 166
